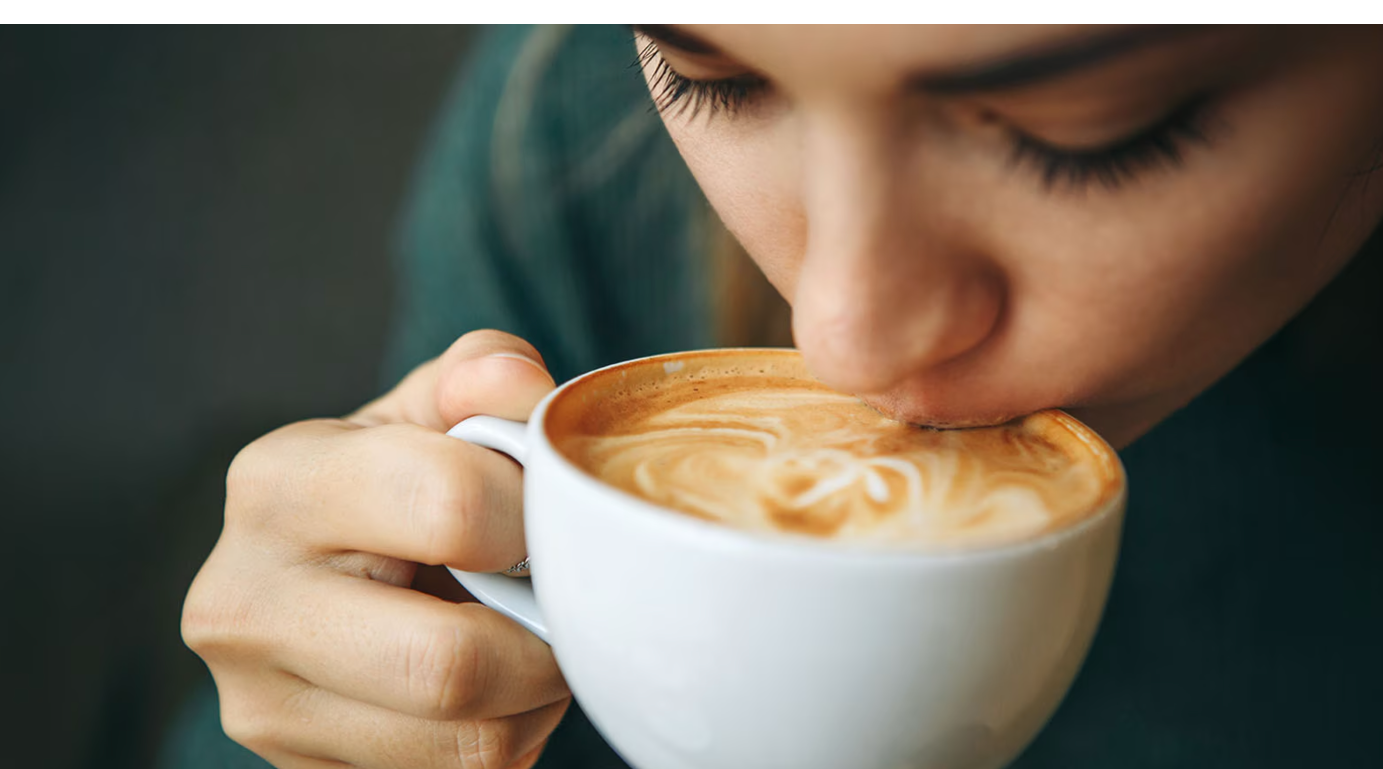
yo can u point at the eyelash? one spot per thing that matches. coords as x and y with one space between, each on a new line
674 93
1162 145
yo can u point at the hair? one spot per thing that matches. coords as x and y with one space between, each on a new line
746 310
749 311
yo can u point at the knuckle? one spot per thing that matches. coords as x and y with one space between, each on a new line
258 470
442 498
444 673
251 723
223 615
247 470
212 618
288 462
201 629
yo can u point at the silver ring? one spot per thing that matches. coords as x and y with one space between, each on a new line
518 567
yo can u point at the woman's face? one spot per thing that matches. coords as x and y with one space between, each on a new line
976 223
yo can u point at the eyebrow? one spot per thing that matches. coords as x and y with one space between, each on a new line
1049 63
676 38
1022 69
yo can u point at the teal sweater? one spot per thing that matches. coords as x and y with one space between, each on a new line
1245 625
552 205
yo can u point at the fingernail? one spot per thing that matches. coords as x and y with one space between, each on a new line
517 356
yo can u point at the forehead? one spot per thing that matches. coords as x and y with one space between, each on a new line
829 48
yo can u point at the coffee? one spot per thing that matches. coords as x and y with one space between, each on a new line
691 644
749 439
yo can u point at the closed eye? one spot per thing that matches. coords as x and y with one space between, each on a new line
675 93
1161 145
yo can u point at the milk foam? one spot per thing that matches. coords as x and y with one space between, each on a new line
790 456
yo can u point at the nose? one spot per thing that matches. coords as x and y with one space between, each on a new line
885 289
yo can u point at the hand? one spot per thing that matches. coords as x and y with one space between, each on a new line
323 654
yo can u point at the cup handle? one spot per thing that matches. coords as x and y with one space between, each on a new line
511 596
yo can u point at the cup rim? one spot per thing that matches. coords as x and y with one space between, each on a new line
688 526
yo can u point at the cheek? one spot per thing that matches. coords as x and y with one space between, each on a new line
750 175
1157 289
1247 233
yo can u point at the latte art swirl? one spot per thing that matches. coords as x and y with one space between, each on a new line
786 455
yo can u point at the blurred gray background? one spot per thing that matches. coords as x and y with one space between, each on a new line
194 231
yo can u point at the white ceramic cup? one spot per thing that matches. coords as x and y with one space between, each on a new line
693 645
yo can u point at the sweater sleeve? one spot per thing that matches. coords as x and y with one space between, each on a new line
551 204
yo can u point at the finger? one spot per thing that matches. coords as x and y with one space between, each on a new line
530 758
490 372
293 720
405 651
251 704
398 490
501 743
483 372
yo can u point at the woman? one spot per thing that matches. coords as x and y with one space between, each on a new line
968 224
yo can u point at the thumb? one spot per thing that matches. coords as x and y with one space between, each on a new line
490 372
484 372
